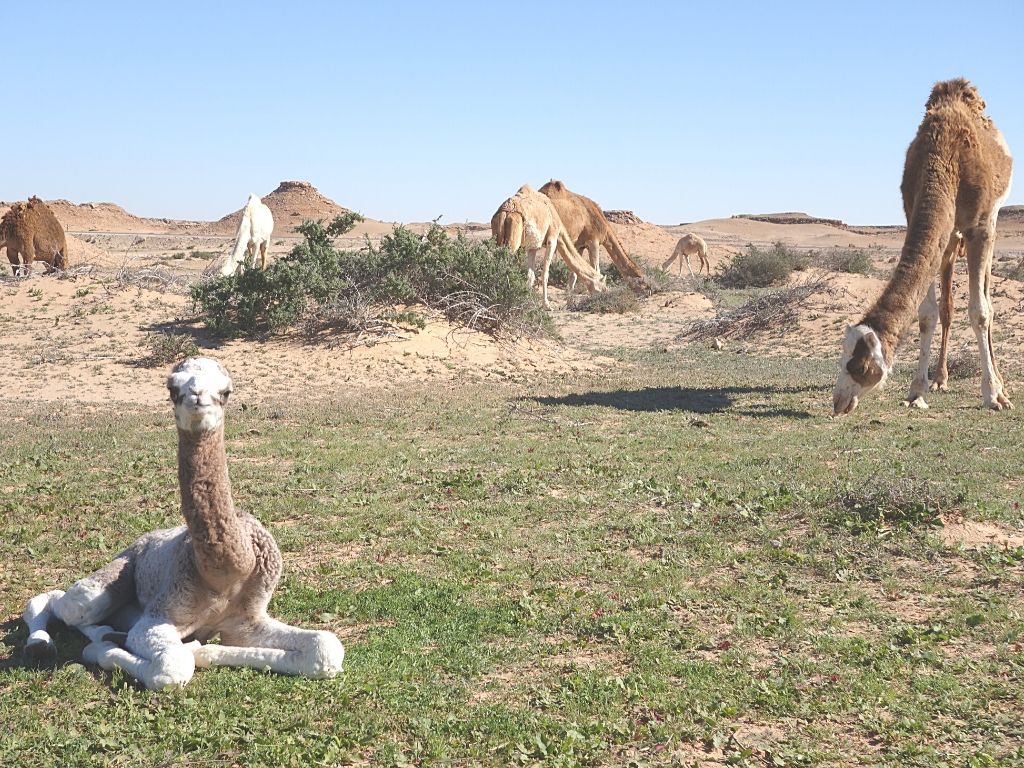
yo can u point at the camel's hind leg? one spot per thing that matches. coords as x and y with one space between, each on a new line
263 255
267 643
89 601
954 249
980 245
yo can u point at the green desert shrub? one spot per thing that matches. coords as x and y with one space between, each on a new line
850 260
761 268
319 287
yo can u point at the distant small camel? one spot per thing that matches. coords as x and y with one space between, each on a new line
253 233
690 245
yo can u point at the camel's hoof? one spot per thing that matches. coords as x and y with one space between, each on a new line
939 386
916 402
1001 403
40 653
97 654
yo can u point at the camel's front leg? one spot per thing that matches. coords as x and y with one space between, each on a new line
980 244
155 655
928 315
263 255
266 643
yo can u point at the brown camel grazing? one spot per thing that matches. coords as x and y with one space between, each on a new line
588 228
957 174
31 229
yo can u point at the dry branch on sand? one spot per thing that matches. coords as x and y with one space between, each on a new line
770 311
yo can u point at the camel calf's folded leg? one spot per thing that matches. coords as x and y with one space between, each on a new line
155 655
279 647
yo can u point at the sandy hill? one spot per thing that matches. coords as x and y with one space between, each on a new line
291 203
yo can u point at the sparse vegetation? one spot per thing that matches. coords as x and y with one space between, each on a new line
963 364
650 565
618 299
167 348
884 505
772 311
758 268
850 260
322 288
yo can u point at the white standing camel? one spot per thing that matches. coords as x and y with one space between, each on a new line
253 234
148 610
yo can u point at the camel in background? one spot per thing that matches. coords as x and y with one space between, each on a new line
587 227
690 245
529 220
31 229
253 234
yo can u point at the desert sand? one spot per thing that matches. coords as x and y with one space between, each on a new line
86 337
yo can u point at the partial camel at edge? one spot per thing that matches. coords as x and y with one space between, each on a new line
958 173
31 230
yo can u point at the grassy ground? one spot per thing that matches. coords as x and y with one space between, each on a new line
684 562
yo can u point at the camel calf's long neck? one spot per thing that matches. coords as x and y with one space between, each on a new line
223 550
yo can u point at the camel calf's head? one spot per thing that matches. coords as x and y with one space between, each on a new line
861 368
199 388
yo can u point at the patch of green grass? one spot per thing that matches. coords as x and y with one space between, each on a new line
642 566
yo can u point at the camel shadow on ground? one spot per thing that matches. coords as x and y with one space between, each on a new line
699 400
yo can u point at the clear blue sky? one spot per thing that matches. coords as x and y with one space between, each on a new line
405 110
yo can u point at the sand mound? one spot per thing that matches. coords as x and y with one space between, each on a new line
291 203
646 242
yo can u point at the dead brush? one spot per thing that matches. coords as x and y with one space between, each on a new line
768 312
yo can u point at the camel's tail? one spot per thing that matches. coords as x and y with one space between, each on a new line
509 230
583 269
242 238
